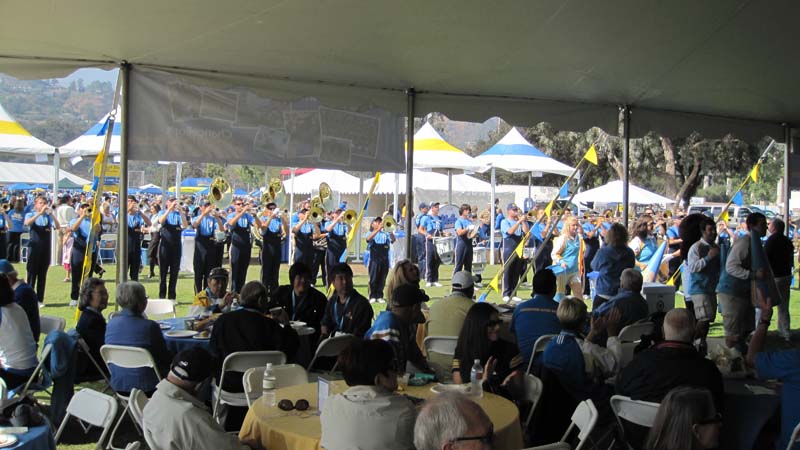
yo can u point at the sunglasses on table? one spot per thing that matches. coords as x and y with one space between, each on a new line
486 439
287 405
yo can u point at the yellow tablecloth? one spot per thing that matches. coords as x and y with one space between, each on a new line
273 429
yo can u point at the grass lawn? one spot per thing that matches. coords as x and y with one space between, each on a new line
57 304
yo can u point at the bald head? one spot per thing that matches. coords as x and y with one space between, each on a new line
446 417
679 326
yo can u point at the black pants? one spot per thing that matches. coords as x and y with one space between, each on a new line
463 256
419 245
38 263
240 261
169 264
270 263
13 247
76 270
12 380
203 261
512 273
317 264
152 252
432 262
3 245
134 258
378 269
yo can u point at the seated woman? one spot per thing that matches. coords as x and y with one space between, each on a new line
404 272
130 328
686 420
479 339
92 300
369 414
17 347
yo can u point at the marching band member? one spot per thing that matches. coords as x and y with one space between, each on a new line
320 244
273 229
337 232
568 251
16 217
171 222
239 223
644 243
206 248
433 228
41 222
81 228
674 243
592 230
378 243
303 232
4 227
513 227
136 223
465 231
419 237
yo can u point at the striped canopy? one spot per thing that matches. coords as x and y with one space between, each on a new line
91 142
431 151
515 154
16 139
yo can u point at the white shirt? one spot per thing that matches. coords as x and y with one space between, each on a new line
17 347
368 418
65 214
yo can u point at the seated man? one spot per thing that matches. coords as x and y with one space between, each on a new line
395 327
447 316
536 317
301 301
347 311
174 418
628 301
672 363
24 296
214 298
450 421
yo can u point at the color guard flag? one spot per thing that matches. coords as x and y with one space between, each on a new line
564 191
754 173
591 155
650 272
548 209
738 199
495 283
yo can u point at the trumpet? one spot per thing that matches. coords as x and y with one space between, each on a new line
349 217
531 214
315 214
6 207
220 193
389 224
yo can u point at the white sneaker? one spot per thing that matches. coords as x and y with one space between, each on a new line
516 299
506 299
372 300
381 300
428 284
73 303
41 305
437 284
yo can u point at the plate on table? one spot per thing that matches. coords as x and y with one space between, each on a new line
7 440
202 337
181 333
164 325
297 324
440 388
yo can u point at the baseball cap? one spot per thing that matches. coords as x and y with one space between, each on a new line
423 205
408 295
511 206
343 205
218 272
434 204
5 266
192 364
462 280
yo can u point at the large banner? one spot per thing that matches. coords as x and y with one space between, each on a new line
188 117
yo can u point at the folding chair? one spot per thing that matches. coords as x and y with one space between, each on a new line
40 378
240 362
444 345
84 347
633 411
135 445
538 347
127 358
285 375
51 323
160 307
533 392
331 347
630 336
584 419
138 400
107 252
95 408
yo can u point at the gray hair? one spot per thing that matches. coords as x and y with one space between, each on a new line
631 280
678 326
132 296
444 418
88 286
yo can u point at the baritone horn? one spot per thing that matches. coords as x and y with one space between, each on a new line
326 197
275 193
389 224
220 193
349 217
315 214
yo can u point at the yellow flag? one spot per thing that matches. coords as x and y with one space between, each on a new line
723 217
591 155
495 283
754 173
548 209
519 248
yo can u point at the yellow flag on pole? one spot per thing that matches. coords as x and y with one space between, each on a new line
548 209
723 217
754 173
591 155
519 248
495 283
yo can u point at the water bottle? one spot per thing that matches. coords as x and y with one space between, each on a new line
476 379
268 386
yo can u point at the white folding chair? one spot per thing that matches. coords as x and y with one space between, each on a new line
23 247
160 307
444 345
795 437
138 400
127 358
538 347
107 252
285 375
135 445
95 408
240 362
584 419
331 347
630 336
533 392
39 379
634 411
51 323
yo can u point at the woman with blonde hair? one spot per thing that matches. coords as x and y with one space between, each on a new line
686 420
568 249
404 272
644 243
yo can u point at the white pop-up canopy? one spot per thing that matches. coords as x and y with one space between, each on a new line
339 181
515 154
431 151
34 174
612 193
91 141
16 139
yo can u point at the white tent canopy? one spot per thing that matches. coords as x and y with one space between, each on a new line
428 180
515 154
34 174
612 193
16 139
431 151
339 181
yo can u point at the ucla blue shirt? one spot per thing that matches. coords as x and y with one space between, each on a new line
16 221
433 225
135 221
244 222
274 225
340 229
42 221
173 218
207 226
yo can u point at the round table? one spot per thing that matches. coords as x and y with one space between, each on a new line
36 438
174 344
746 412
269 427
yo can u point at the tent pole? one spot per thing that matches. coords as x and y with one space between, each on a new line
396 198
55 241
449 186
626 150
410 96
491 220
178 170
122 229
787 136
291 211
530 181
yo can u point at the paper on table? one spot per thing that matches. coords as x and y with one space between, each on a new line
759 390
13 430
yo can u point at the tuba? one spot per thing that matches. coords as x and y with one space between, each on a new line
389 224
326 197
220 193
315 214
349 217
315 202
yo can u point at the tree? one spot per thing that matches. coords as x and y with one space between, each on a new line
215 170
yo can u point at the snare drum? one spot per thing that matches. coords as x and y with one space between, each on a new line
444 245
528 252
479 255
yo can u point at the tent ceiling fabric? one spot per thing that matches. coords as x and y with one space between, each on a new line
567 62
34 174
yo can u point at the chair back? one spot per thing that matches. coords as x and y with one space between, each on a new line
135 445
33 382
240 362
445 345
160 307
51 323
635 331
94 408
285 375
137 402
538 347
584 418
84 347
794 438
533 392
636 412
128 357
332 346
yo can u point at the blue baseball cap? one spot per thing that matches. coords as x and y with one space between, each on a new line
423 205
511 206
343 205
5 266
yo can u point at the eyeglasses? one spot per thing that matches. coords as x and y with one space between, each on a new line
716 418
486 439
287 405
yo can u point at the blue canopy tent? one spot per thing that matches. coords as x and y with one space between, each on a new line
195 182
151 190
19 187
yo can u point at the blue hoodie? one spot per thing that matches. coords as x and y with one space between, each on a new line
610 262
